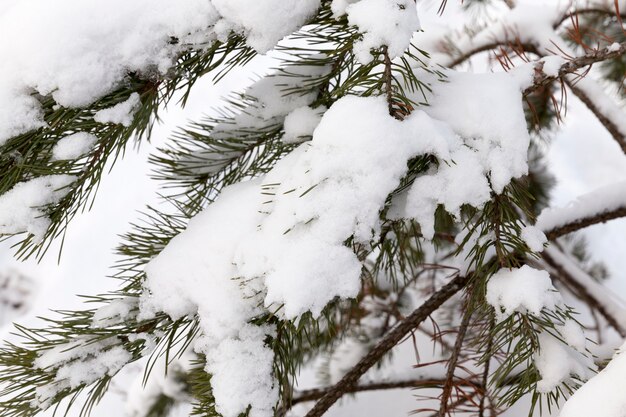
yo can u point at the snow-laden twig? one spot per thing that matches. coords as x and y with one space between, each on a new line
594 293
599 206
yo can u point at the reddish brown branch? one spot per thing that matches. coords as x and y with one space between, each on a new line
542 79
452 362
391 339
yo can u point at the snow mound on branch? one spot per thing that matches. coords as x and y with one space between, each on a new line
602 395
488 146
389 23
597 202
122 113
22 207
78 51
278 242
73 146
558 362
523 290
78 362
486 110
263 22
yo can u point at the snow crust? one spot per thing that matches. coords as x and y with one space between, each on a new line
21 208
523 290
389 23
73 146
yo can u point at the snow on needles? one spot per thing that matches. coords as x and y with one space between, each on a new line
527 290
21 208
277 242
383 22
73 146
523 290
79 50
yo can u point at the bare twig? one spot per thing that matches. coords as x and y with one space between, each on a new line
452 362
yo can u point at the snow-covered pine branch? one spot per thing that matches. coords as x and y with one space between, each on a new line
326 212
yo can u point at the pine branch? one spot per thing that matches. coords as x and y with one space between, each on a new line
387 343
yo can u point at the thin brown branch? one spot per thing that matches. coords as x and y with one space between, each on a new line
388 82
452 362
590 10
485 377
571 66
390 340
585 222
317 393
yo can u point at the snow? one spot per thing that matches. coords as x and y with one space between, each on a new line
524 290
263 23
534 238
614 47
602 395
122 113
486 110
78 362
339 7
487 142
552 64
388 23
558 362
86 371
602 200
114 312
300 123
21 208
73 146
77 51
277 242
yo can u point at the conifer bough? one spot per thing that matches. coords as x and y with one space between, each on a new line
363 189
